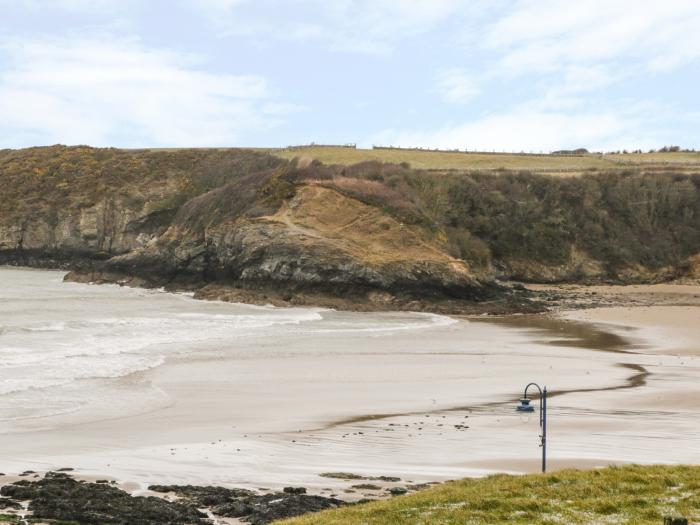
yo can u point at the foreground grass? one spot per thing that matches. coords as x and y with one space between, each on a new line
615 495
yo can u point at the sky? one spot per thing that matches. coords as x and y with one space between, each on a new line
493 75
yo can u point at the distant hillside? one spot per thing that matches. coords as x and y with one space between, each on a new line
564 163
249 225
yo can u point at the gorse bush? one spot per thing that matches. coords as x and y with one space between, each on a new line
35 180
621 219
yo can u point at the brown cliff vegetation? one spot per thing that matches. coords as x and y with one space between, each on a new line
246 223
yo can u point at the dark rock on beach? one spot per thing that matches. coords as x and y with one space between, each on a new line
60 497
366 486
248 506
390 479
203 496
7 503
351 476
271 507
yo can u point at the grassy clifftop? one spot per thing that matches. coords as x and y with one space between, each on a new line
570 164
634 495
245 217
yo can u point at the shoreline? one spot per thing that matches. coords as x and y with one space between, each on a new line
508 300
595 410
517 298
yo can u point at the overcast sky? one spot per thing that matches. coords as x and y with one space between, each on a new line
531 75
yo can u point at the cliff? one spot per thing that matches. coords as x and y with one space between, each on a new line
246 225
236 225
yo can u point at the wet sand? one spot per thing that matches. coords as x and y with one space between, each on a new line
673 329
423 406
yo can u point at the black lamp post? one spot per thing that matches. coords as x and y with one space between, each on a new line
527 408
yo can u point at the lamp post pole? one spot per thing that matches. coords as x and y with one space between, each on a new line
526 407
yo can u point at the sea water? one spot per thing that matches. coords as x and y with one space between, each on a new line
75 352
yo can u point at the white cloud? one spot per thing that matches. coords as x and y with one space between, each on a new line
577 79
219 4
564 56
542 35
573 86
530 35
395 18
215 6
364 26
455 85
109 91
69 5
377 26
555 58
528 130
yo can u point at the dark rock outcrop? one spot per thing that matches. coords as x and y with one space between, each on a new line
60 497
7 503
248 506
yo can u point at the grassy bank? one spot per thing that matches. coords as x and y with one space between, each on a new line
619 495
455 160
422 159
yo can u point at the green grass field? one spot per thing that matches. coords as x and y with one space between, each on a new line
617 495
685 161
443 160
676 158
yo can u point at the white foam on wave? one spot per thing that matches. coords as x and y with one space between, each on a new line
427 321
57 326
48 327
56 339
63 370
113 347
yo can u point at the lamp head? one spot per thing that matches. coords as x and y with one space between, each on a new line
525 406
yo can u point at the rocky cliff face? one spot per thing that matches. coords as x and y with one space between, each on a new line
105 229
317 244
322 237
258 238
246 226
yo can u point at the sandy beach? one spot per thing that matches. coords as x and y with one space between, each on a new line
427 403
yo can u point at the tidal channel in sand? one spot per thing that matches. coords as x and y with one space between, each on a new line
152 387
